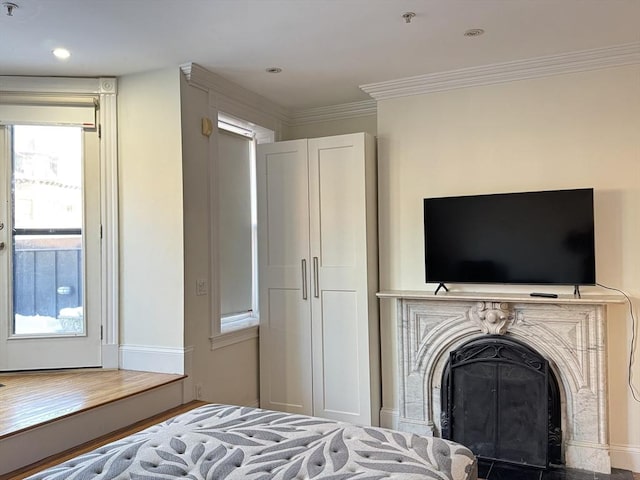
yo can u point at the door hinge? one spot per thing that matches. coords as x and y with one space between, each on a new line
99 130
101 332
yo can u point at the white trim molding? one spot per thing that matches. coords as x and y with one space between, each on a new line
307 116
110 356
389 418
614 56
232 337
625 456
235 100
153 359
51 85
108 125
188 386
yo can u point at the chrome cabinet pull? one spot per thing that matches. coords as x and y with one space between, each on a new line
304 278
316 290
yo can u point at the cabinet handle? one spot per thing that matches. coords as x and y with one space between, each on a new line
304 278
316 292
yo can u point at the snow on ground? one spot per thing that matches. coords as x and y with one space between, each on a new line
70 321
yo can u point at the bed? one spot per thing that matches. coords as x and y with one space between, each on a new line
224 442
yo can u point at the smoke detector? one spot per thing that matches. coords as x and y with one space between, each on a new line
474 32
9 8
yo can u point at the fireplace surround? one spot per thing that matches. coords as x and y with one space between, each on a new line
568 332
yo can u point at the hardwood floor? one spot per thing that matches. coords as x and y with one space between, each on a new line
112 437
33 399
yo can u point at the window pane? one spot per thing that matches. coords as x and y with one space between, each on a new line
235 221
47 230
47 177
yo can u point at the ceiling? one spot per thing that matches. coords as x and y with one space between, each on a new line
326 48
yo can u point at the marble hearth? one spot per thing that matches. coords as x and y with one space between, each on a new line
569 332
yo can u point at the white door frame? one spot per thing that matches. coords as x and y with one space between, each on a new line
105 89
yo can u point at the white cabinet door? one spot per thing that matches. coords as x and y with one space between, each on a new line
341 180
283 253
317 277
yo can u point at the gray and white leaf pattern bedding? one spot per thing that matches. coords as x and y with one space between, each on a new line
223 442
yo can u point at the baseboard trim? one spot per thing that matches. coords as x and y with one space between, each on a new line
389 418
152 359
626 457
110 356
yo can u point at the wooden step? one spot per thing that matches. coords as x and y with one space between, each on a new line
98 442
44 413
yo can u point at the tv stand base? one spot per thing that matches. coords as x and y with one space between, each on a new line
441 285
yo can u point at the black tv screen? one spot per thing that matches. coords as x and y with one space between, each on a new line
512 238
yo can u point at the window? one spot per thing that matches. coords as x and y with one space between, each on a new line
47 230
237 228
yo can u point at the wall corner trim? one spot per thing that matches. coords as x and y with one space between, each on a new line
572 62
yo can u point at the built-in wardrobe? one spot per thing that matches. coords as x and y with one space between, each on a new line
318 276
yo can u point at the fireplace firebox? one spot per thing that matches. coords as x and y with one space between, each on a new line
501 399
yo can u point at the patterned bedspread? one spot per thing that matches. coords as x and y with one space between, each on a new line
222 442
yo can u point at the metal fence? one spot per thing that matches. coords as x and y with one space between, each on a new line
47 280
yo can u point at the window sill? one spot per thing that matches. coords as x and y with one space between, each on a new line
235 332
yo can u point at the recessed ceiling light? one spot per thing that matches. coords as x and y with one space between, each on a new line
61 53
474 32
273 70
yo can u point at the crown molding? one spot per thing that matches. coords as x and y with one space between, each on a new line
204 79
334 112
615 56
238 98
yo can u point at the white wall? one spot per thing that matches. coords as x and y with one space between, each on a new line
151 211
578 130
366 124
228 374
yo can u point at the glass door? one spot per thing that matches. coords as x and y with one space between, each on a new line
50 254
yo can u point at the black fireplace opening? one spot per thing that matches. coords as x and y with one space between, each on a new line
501 400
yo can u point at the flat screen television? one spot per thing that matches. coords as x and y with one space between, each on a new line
537 238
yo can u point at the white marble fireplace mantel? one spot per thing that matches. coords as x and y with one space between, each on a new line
568 331
589 299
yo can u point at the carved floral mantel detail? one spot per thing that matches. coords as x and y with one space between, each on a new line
570 335
494 318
